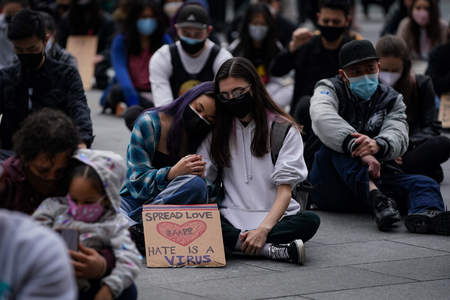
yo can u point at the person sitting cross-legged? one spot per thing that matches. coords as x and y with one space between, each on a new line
363 128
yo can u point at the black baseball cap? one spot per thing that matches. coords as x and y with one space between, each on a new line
193 15
355 52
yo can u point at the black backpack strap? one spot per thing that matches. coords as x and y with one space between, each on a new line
278 132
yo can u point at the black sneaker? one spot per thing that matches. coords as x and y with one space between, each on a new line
293 252
429 221
137 236
384 209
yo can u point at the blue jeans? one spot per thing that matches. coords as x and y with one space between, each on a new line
186 189
342 184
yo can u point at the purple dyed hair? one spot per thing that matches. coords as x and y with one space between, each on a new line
176 110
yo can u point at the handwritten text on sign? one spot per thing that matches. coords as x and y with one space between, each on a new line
183 235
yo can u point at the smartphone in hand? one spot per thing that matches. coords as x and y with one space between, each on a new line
71 237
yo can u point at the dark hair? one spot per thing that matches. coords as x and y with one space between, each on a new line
343 5
392 46
132 36
176 110
433 28
78 23
24 3
49 22
25 24
46 131
262 106
88 172
269 44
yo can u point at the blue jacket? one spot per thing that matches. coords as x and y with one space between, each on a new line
119 60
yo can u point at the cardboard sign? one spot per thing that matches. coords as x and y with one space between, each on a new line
183 235
444 110
84 48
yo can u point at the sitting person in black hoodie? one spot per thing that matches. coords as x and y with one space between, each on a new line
427 149
439 67
37 81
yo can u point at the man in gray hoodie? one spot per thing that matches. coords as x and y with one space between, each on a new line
363 130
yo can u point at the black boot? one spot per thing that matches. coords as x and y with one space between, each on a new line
384 209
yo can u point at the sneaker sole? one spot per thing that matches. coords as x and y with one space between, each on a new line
387 222
418 224
441 223
300 251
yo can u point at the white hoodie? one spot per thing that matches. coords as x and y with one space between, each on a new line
251 182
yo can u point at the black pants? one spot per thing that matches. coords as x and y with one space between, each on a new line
300 226
426 158
129 293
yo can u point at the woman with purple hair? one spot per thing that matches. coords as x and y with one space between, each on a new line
161 166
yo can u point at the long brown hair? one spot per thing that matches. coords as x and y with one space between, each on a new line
392 46
239 67
433 28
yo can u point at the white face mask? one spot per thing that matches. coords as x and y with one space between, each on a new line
390 78
258 32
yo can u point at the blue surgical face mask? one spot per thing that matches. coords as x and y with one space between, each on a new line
257 32
146 26
190 41
363 86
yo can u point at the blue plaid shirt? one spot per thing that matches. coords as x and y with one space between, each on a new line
144 182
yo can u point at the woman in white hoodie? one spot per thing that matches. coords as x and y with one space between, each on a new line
259 216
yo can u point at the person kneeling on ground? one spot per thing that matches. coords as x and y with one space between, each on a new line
258 214
162 168
91 207
362 125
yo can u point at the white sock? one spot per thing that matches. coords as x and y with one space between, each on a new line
265 251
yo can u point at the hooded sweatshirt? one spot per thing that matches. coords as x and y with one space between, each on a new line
251 182
34 263
16 192
111 230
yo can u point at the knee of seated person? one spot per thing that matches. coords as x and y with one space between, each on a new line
313 218
195 185
422 180
443 142
131 114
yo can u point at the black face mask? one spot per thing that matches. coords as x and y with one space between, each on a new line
45 187
194 123
239 106
30 61
192 48
330 33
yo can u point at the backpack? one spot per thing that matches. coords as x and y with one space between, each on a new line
278 132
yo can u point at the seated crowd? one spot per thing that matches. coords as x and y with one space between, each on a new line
360 126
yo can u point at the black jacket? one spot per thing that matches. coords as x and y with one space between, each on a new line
421 112
311 62
439 68
55 85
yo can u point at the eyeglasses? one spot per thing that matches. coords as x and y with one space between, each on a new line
235 93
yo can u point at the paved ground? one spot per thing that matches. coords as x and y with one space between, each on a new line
347 259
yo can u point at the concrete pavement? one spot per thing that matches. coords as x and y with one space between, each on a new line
347 259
